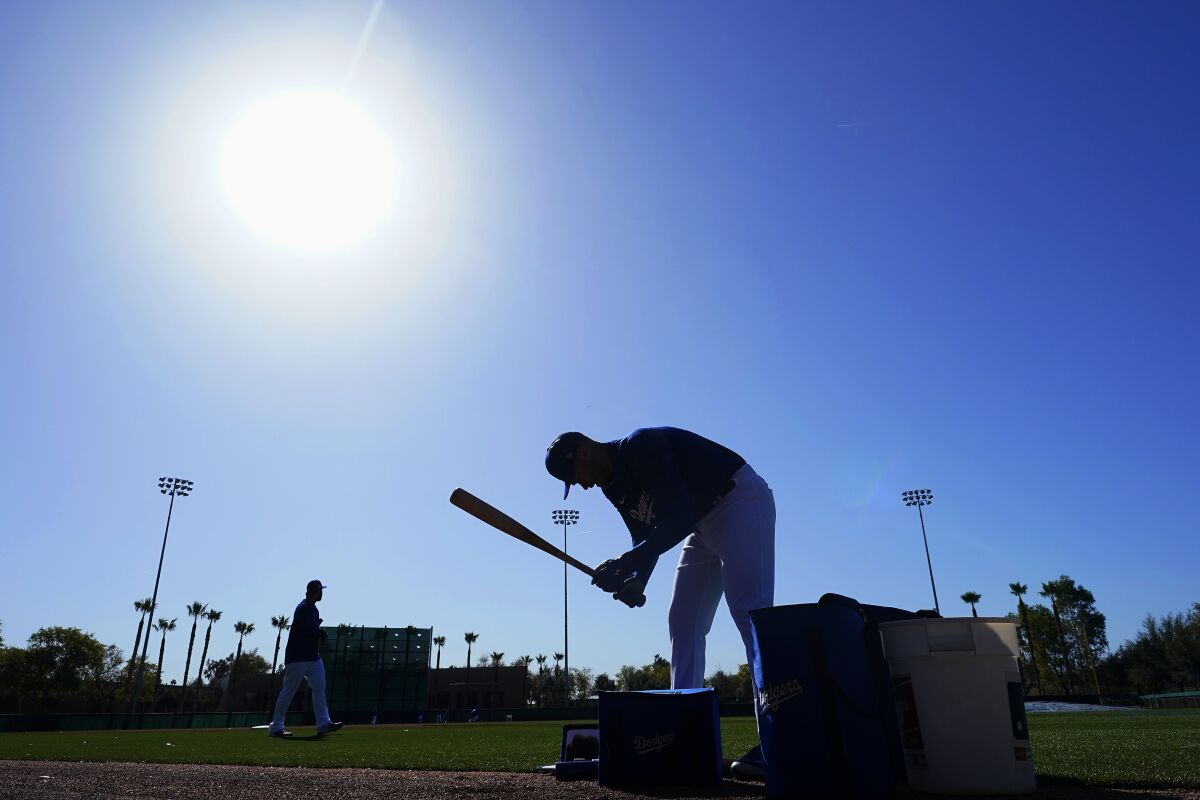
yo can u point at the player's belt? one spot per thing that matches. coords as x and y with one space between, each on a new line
721 496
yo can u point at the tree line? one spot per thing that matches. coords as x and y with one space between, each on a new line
1063 644
1064 648
544 685
61 662
1164 655
1062 641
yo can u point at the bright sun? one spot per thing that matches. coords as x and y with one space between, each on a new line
309 170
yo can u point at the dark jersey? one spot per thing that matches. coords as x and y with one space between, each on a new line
304 635
664 481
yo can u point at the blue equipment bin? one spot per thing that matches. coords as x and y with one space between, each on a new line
663 737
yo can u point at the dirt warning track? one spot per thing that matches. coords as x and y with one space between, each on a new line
51 780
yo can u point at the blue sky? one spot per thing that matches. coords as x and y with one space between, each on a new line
869 247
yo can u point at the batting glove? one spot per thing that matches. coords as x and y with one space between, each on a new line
632 593
611 575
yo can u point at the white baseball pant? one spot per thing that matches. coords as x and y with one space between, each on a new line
732 552
293 673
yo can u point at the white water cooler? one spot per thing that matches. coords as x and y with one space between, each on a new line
960 704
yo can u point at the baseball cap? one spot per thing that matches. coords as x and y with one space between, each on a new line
314 584
560 458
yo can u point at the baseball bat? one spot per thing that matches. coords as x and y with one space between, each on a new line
485 512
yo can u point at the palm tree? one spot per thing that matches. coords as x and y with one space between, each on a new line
212 615
470 638
143 608
1078 600
280 624
1050 590
195 610
539 685
524 661
971 598
145 649
163 625
243 630
557 669
438 641
496 663
1019 589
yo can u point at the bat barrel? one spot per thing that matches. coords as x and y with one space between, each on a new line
485 512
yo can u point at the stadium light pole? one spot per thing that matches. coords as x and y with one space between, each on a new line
172 487
565 517
921 498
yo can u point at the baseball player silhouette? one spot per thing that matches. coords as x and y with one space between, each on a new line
671 485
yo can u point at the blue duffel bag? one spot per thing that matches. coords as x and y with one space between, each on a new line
825 713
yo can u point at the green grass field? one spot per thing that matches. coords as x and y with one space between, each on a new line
1143 749
501 746
1131 749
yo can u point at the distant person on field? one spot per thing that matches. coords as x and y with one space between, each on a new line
302 661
